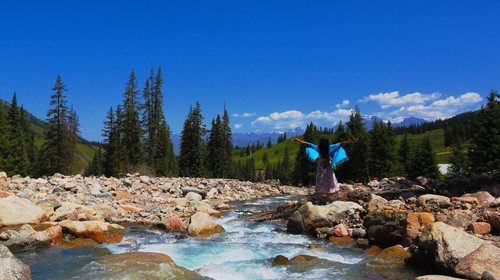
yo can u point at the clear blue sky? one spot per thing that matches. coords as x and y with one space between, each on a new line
276 64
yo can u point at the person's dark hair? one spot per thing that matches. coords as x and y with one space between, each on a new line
324 146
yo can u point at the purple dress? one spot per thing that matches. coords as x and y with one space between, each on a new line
326 182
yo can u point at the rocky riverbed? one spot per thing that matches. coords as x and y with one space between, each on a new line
399 222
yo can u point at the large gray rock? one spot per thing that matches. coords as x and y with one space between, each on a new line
309 217
187 190
485 258
11 267
19 211
376 203
439 200
448 244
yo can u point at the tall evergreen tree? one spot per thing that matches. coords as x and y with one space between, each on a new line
5 135
285 176
227 146
356 168
166 162
17 160
404 155
269 144
192 150
215 149
340 133
458 158
95 166
131 126
423 161
305 170
485 154
382 141
60 146
111 157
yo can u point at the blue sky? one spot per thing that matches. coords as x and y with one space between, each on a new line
275 64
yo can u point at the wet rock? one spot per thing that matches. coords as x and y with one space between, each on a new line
110 237
480 228
11 267
388 259
80 242
437 277
342 240
19 211
280 260
202 224
413 223
19 242
55 234
485 258
448 244
141 265
461 218
86 229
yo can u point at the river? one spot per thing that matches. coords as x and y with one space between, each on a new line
245 251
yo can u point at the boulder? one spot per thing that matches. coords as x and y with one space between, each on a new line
439 200
187 190
85 229
493 218
175 224
385 227
390 258
376 203
193 196
11 267
437 277
465 199
280 260
485 258
19 211
55 234
19 242
70 211
202 224
461 218
448 244
139 265
413 223
480 228
340 230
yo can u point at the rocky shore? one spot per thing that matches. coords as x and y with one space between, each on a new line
453 226
74 211
458 235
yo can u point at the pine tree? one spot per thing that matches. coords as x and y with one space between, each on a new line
111 157
356 168
423 161
305 170
17 160
485 154
131 127
458 158
166 163
269 144
340 133
192 150
227 144
382 141
404 155
5 135
215 149
95 166
60 146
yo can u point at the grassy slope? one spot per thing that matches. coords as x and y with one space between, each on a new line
436 137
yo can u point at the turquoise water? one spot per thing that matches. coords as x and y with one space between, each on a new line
245 251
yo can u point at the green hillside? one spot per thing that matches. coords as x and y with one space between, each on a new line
436 136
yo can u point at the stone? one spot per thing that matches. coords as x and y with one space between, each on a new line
202 224
389 258
175 224
80 242
487 275
19 211
483 197
85 229
385 227
484 258
280 260
193 196
448 244
18 242
70 211
186 190
376 203
119 194
396 203
437 277
342 240
413 223
110 237
340 230
10 266
440 200
465 199
480 228
493 218
144 179
140 265
461 218
55 234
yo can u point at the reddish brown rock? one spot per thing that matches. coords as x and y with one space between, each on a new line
130 208
55 234
342 240
485 258
112 237
80 242
493 218
340 230
175 224
483 197
480 228
466 199
86 229
122 195
373 250
414 222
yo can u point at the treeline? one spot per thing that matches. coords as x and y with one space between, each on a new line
457 129
136 135
18 152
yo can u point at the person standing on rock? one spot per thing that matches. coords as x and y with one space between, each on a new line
329 157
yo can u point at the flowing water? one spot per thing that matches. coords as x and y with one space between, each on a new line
245 251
